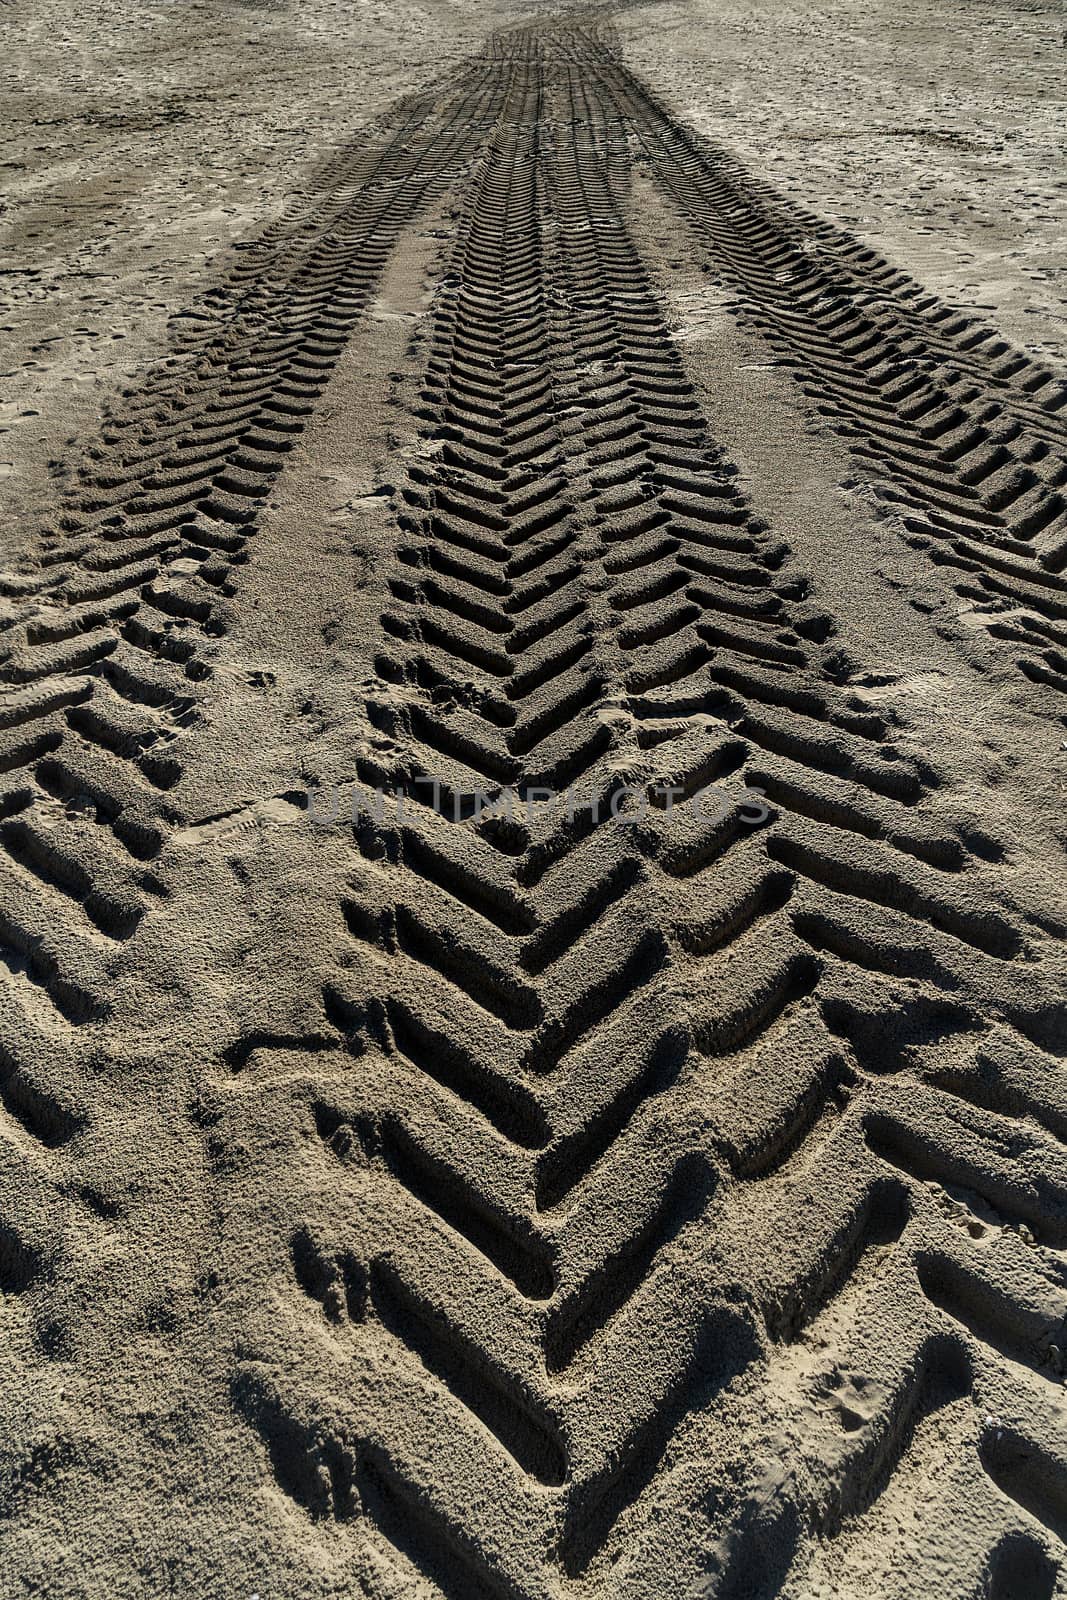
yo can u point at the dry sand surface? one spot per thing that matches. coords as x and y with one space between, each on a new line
534 683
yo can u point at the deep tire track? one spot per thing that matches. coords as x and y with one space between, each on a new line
109 641
638 1103
964 433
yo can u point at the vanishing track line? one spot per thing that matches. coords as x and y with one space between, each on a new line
694 1173
108 642
965 434
649 1108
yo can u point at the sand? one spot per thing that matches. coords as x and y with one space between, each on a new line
531 904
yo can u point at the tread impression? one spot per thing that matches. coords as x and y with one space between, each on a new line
107 642
605 1064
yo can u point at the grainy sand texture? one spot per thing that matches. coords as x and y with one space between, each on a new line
533 746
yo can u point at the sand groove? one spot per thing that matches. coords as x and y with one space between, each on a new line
963 433
109 641
649 1108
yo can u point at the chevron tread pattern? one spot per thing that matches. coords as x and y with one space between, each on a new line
108 642
964 434
651 1100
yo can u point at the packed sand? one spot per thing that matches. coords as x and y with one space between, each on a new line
534 673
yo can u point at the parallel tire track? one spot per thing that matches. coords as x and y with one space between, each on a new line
640 1103
965 434
108 641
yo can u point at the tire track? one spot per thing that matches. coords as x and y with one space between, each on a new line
108 648
108 643
963 433
606 1049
